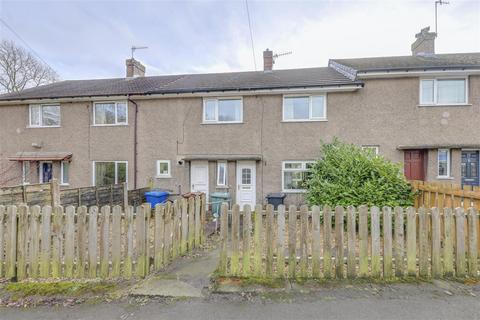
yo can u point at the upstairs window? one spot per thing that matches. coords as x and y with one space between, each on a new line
446 91
110 113
44 116
304 108
223 110
295 173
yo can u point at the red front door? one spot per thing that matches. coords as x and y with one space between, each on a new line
414 161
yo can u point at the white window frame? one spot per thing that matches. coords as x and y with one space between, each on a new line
303 169
435 91
164 175
25 172
216 121
116 120
310 118
62 177
448 175
374 147
116 170
224 182
40 125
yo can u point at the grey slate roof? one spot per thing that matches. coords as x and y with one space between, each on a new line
419 62
233 81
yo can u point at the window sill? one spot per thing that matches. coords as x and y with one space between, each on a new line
64 184
444 178
294 191
306 120
227 122
163 177
222 187
445 105
42 127
110 125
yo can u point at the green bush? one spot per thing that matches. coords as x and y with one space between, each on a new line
347 175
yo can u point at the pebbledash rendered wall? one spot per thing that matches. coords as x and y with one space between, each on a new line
384 113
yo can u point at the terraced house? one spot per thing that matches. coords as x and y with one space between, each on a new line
247 133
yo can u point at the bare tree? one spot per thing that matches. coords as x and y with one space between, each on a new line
19 69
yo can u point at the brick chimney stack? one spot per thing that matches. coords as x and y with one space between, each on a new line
267 60
134 68
425 43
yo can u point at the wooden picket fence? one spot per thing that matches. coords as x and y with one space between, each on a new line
441 195
364 242
92 243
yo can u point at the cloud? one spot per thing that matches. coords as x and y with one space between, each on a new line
93 39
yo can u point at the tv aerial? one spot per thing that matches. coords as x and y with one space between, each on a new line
134 48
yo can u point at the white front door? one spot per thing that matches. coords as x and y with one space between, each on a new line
199 177
246 182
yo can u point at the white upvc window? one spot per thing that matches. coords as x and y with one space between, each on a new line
294 175
444 91
222 173
222 110
44 115
305 107
109 172
373 149
443 158
163 169
65 173
25 172
110 113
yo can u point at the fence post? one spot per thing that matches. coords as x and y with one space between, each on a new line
55 190
11 249
472 242
363 241
22 229
125 196
375 225
2 234
24 194
460 242
223 239
247 230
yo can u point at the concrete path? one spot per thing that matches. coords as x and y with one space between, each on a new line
187 277
439 300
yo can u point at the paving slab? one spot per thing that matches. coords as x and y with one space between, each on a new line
166 288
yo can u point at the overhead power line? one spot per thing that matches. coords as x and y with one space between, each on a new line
24 42
251 35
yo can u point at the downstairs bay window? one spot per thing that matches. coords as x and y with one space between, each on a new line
294 175
109 172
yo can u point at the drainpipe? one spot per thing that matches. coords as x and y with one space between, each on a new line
135 142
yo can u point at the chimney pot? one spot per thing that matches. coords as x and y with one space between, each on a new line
134 68
425 43
267 60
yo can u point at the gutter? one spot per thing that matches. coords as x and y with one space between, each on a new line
341 87
135 142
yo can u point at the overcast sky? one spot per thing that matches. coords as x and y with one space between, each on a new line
92 39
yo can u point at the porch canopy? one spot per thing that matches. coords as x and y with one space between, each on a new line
40 156
213 157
